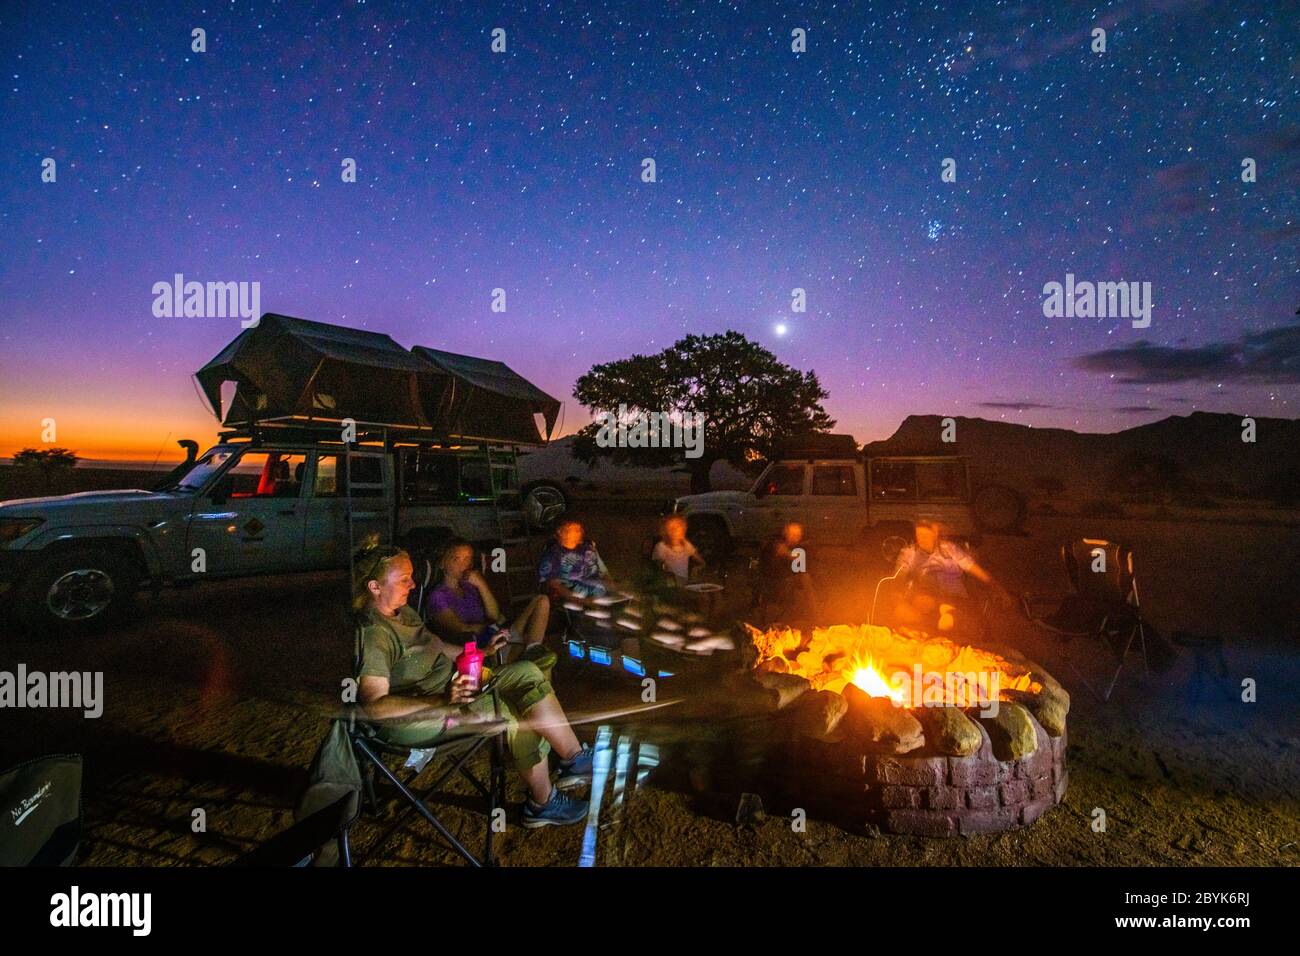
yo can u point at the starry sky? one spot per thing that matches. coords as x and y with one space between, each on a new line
776 170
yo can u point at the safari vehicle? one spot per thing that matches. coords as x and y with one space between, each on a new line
292 486
844 498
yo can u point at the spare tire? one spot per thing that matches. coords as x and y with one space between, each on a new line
544 504
997 508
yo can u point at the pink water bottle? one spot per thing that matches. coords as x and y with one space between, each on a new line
470 662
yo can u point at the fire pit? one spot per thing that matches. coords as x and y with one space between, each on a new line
914 733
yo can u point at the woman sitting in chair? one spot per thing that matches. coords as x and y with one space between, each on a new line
410 689
933 571
462 606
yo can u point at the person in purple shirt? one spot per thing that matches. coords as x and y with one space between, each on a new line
462 607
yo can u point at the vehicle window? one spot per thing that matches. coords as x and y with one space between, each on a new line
833 480
893 480
331 476
429 479
940 481
203 470
784 480
264 474
475 478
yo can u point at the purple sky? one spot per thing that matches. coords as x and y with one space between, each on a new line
776 170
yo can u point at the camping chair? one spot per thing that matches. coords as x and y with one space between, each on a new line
450 754
425 586
297 845
1103 604
40 812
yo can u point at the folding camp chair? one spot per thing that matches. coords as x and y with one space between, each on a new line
1103 604
450 753
297 845
40 812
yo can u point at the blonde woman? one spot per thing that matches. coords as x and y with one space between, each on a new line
409 687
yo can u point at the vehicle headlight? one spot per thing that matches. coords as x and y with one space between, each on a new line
11 529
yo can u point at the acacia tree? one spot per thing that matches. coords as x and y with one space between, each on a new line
748 401
48 461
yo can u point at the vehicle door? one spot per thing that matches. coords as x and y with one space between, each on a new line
779 497
904 489
326 537
943 491
250 517
835 511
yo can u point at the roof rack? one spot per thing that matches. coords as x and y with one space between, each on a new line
330 431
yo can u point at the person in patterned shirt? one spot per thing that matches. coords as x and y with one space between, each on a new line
571 567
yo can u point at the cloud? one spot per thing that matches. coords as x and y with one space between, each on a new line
1272 356
1019 406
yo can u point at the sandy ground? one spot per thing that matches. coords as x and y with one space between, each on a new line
218 695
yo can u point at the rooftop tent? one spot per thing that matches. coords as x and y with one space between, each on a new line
286 368
488 399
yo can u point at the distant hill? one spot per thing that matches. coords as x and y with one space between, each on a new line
1202 451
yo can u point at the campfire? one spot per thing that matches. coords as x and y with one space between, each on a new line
911 732
908 670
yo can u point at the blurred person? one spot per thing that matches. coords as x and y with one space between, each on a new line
931 571
571 568
673 552
462 606
784 592
410 688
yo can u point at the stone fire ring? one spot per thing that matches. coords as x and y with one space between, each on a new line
842 770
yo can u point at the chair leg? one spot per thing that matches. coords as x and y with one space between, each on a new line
1122 657
418 805
496 796
1082 679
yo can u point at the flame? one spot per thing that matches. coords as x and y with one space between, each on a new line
886 663
866 678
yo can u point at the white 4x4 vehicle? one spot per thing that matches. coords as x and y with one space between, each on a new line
847 499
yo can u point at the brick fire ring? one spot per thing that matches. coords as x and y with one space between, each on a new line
853 756
926 793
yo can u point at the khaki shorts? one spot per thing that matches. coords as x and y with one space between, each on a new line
520 686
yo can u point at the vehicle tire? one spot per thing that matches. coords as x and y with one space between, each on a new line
883 542
544 504
710 537
77 591
997 509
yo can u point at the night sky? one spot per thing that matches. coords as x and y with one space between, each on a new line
776 170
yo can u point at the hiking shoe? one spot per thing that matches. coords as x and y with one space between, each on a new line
577 769
560 810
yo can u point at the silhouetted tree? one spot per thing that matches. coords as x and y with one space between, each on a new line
48 461
748 399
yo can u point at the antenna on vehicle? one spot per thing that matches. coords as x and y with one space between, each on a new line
154 466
